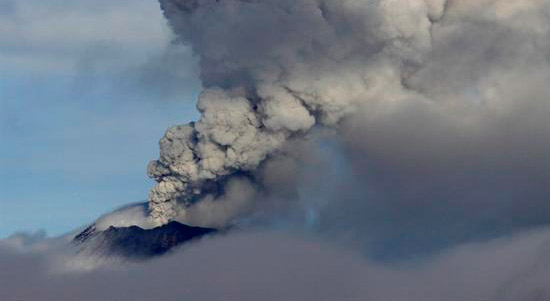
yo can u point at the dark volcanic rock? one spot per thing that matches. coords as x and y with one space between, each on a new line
137 243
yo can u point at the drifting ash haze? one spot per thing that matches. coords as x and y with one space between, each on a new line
411 137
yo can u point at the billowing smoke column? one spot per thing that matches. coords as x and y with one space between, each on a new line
272 69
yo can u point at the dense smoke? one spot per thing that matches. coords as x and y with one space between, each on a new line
442 105
272 70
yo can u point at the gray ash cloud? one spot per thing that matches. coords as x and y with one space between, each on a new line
439 108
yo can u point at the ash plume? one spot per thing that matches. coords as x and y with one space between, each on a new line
272 70
441 107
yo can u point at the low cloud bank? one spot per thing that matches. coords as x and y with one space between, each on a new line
282 266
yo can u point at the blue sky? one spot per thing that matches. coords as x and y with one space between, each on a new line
87 88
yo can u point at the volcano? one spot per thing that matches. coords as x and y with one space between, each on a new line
137 243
